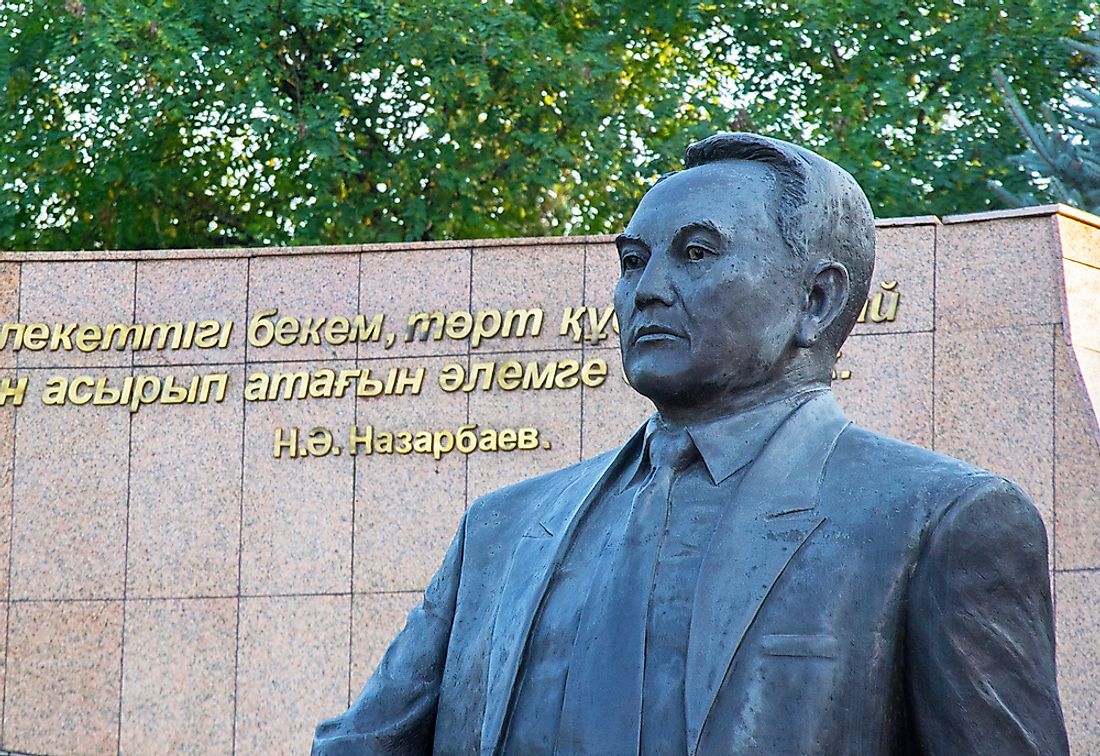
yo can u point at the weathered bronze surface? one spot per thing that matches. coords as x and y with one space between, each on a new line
750 573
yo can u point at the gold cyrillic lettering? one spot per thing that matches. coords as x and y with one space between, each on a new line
16 392
75 385
486 370
567 377
261 329
287 442
421 324
459 325
36 336
594 372
451 377
510 375
571 323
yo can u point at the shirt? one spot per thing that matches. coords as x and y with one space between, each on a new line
726 446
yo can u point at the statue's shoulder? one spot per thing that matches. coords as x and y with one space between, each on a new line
908 475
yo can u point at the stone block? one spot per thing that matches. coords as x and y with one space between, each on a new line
7 481
292 671
1078 633
70 496
63 669
393 286
601 261
9 307
994 404
407 505
170 291
997 273
59 292
1079 241
1082 304
1088 362
905 255
550 278
185 495
890 385
303 286
177 677
296 534
1076 468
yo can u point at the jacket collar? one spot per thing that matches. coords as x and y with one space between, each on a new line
728 443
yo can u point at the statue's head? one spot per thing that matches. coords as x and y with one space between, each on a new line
741 275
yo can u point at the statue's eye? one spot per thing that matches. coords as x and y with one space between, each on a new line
632 261
695 252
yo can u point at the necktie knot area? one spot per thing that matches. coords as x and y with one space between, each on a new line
671 448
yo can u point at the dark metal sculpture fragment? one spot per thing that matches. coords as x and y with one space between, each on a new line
750 573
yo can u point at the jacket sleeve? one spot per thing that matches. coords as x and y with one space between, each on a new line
395 712
980 631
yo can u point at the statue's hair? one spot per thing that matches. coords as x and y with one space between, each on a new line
822 212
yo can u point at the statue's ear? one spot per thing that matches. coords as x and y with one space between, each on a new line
826 298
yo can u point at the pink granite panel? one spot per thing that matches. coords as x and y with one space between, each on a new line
994 402
9 307
304 286
292 671
549 278
177 677
170 291
63 677
7 480
552 411
1079 241
1078 632
376 620
601 275
5 607
69 513
296 535
89 293
185 495
407 505
401 284
1088 362
889 384
905 255
1076 468
1083 304
613 410
997 273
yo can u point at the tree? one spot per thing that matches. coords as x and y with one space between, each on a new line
1063 155
134 123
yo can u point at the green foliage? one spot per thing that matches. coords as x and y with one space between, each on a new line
163 123
1063 156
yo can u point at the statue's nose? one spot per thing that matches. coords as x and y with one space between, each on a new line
655 283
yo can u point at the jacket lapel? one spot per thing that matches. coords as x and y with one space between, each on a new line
773 513
536 555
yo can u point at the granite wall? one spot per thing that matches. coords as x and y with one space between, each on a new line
172 586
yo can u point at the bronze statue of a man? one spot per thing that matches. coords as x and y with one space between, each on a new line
750 573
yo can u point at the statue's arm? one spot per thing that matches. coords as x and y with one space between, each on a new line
395 712
980 630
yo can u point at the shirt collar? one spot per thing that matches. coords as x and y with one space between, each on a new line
730 442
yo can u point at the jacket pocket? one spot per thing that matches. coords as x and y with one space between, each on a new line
821 646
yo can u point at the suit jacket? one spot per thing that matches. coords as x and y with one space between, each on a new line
859 596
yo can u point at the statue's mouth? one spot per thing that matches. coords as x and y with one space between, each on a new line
654 333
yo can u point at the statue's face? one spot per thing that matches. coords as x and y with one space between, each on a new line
709 293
